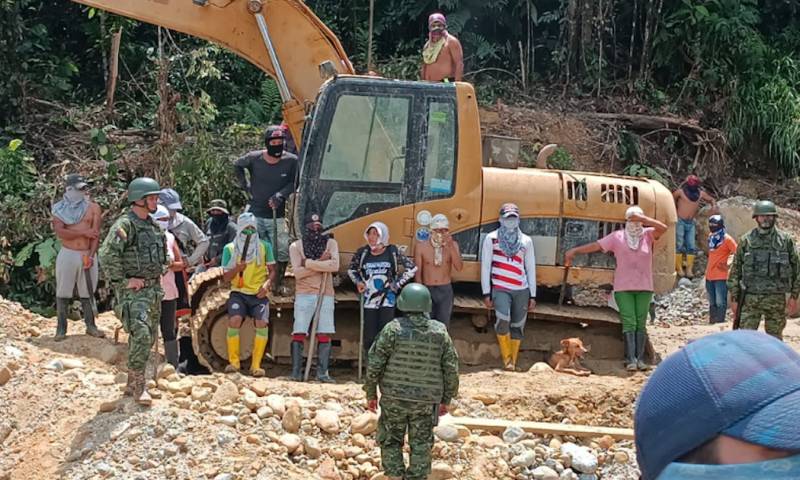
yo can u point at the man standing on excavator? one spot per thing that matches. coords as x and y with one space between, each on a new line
272 177
442 56
436 258
508 281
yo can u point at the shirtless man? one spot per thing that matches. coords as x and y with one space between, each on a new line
436 258
687 201
76 222
442 56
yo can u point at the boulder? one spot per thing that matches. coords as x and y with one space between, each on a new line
226 393
327 421
312 448
5 375
292 419
583 460
250 400
541 367
277 403
544 473
260 387
524 459
441 471
446 433
365 424
291 441
513 434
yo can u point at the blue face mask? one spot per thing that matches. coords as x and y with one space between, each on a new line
782 469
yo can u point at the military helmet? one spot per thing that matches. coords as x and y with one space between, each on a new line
763 208
142 187
415 297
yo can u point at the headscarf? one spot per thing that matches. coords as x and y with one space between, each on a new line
314 241
72 207
438 221
717 236
246 220
436 40
161 217
633 230
383 235
692 188
508 235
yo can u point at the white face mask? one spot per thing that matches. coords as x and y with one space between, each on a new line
509 223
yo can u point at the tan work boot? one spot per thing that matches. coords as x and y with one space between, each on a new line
140 393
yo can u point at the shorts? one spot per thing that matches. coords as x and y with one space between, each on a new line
304 306
70 274
244 305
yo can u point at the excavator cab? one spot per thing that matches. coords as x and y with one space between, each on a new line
377 149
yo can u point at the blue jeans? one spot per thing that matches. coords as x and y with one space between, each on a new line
685 233
717 291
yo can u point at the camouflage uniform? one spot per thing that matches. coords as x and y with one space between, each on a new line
416 365
766 266
136 248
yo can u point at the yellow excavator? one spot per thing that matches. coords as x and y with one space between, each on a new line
375 149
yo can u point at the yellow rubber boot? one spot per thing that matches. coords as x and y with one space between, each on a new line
259 346
233 350
514 346
689 266
679 264
504 341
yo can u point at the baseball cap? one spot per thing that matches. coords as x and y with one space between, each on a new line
313 218
218 204
742 383
439 221
170 199
509 210
693 180
75 180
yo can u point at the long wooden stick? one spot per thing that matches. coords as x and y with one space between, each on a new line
113 71
541 428
312 342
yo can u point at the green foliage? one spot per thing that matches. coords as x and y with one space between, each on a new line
648 171
271 101
628 147
561 159
17 172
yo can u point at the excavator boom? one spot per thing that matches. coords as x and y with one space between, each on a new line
288 42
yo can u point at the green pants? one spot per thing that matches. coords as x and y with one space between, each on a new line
140 313
771 307
633 309
397 417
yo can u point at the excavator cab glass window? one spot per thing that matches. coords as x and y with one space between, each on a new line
377 144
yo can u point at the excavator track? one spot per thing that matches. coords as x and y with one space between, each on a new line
471 328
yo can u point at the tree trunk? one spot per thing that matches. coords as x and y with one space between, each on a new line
113 71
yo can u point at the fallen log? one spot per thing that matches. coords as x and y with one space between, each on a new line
541 428
650 122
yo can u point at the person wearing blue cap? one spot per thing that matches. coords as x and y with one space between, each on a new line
723 407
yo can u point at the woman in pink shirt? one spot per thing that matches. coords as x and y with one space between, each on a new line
169 330
632 248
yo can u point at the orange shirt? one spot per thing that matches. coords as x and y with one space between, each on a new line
717 268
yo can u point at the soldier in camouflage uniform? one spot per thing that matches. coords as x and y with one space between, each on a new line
765 268
133 257
414 362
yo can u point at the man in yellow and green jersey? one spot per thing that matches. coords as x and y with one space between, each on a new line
249 265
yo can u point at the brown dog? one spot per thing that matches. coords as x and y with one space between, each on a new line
568 359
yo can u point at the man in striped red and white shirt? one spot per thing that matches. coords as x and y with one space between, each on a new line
508 280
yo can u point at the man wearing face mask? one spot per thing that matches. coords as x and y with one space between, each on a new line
632 248
192 242
376 272
76 222
272 175
442 56
436 258
765 269
249 265
312 257
508 281
220 231
721 248
133 257
724 407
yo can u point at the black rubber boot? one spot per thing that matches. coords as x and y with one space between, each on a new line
88 319
171 352
630 351
297 361
323 361
62 309
641 344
